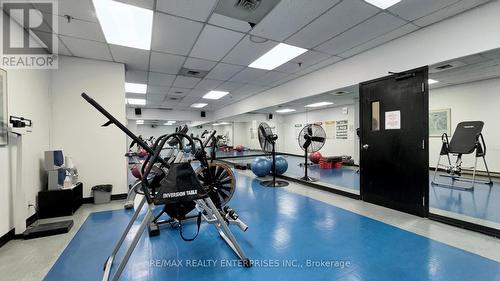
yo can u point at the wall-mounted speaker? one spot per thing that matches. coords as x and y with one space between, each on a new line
203 114
138 111
270 116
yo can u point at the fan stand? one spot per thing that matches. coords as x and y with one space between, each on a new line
306 167
274 182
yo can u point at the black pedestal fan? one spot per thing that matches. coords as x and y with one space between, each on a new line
311 139
267 142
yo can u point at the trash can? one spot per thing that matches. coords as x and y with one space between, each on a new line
102 193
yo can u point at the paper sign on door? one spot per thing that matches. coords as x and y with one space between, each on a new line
393 120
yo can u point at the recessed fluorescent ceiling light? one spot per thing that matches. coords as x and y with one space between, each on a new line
319 104
136 101
222 123
432 81
383 4
124 24
140 122
199 105
215 95
277 56
172 122
285 110
168 124
135 88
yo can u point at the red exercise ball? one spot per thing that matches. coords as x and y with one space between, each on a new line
135 172
315 157
239 148
142 152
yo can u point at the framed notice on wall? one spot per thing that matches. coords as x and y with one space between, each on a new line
439 122
3 107
342 129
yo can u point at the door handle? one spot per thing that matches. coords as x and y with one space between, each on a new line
365 146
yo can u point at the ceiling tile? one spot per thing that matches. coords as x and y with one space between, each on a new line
186 82
223 71
414 9
405 29
133 58
319 65
230 23
215 42
146 4
199 64
269 78
189 100
81 29
166 63
248 51
208 84
178 91
284 80
62 50
289 16
340 18
173 34
197 93
248 75
192 9
449 11
158 90
372 28
87 49
136 76
161 79
155 98
229 86
307 59
78 9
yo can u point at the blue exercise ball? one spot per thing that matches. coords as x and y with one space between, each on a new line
187 148
261 166
281 165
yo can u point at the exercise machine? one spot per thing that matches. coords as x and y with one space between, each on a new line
467 139
175 185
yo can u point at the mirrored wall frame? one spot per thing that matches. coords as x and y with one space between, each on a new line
465 89
3 108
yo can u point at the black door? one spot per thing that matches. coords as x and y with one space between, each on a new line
394 161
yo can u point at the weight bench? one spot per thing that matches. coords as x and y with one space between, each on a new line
467 139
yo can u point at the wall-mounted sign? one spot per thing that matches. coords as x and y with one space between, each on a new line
393 120
342 129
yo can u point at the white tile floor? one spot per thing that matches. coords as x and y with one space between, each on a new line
28 260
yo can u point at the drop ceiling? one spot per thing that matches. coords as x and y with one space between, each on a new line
189 34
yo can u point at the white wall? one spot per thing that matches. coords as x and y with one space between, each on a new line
476 101
333 146
28 96
97 152
469 33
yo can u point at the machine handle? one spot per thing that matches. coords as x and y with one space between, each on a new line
365 146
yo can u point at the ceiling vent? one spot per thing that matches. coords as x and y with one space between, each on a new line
446 66
340 93
193 73
251 11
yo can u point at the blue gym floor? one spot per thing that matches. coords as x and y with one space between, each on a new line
482 203
285 228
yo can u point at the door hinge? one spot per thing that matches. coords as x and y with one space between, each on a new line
423 87
423 201
423 144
